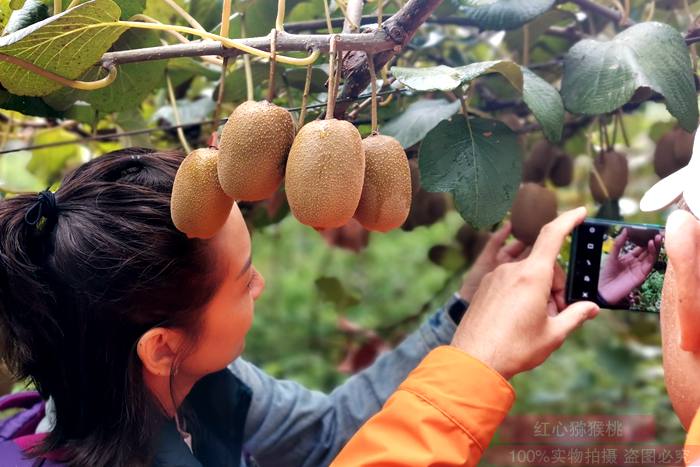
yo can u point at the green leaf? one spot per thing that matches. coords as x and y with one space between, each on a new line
503 14
480 167
599 77
332 290
411 125
541 97
445 78
31 12
133 7
16 4
27 105
14 174
66 44
49 164
545 103
296 78
134 82
537 27
207 12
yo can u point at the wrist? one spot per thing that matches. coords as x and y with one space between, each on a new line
456 307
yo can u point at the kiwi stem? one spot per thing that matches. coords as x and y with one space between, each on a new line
332 78
176 113
614 131
327 13
526 45
373 82
220 95
623 130
57 6
273 54
380 6
226 42
652 10
225 18
73 3
597 176
249 86
305 97
186 16
279 22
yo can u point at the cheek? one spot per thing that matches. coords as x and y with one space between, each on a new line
681 368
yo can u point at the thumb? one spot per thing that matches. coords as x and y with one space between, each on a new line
573 316
498 238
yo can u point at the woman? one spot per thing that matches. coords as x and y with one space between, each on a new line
126 325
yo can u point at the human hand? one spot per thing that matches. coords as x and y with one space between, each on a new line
495 252
518 316
623 273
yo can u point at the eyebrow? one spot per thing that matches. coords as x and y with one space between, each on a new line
246 266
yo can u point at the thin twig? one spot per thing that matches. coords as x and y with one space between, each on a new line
327 13
305 97
373 82
186 16
250 90
273 54
332 82
176 114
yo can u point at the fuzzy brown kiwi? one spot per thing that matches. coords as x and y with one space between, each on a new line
198 206
562 172
325 173
386 192
253 150
533 207
537 166
682 147
664 157
614 172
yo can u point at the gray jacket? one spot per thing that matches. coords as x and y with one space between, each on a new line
289 425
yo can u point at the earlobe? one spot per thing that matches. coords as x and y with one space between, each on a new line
683 248
157 349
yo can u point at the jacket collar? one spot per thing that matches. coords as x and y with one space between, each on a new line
215 412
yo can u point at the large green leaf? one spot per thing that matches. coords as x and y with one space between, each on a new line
66 44
503 14
134 82
132 7
27 105
600 77
541 97
411 125
49 164
14 174
545 103
445 78
480 165
207 12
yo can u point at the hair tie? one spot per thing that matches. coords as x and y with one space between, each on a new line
44 207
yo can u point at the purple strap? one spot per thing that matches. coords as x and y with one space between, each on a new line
24 422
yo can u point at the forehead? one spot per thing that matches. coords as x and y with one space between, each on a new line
232 243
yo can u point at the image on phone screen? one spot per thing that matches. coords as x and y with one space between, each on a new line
617 265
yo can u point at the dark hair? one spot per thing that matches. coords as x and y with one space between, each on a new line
77 293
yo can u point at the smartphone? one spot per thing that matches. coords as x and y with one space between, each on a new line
617 265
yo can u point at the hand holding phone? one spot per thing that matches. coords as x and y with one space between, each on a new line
617 265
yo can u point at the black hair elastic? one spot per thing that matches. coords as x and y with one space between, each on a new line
44 207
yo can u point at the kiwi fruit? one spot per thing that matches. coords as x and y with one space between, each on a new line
325 173
534 206
614 172
682 147
664 159
253 150
471 242
386 192
426 208
537 166
198 206
562 172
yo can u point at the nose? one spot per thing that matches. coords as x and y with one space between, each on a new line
259 287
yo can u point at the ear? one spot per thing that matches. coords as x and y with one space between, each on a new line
683 248
157 349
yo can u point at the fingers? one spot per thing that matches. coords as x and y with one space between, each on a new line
619 242
552 236
498 238
573 316
512 251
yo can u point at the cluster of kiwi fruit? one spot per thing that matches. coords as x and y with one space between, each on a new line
535 204
673 152
331 174
426 208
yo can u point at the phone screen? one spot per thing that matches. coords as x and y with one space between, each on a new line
617 265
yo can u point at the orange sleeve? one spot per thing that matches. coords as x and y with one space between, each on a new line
445 413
